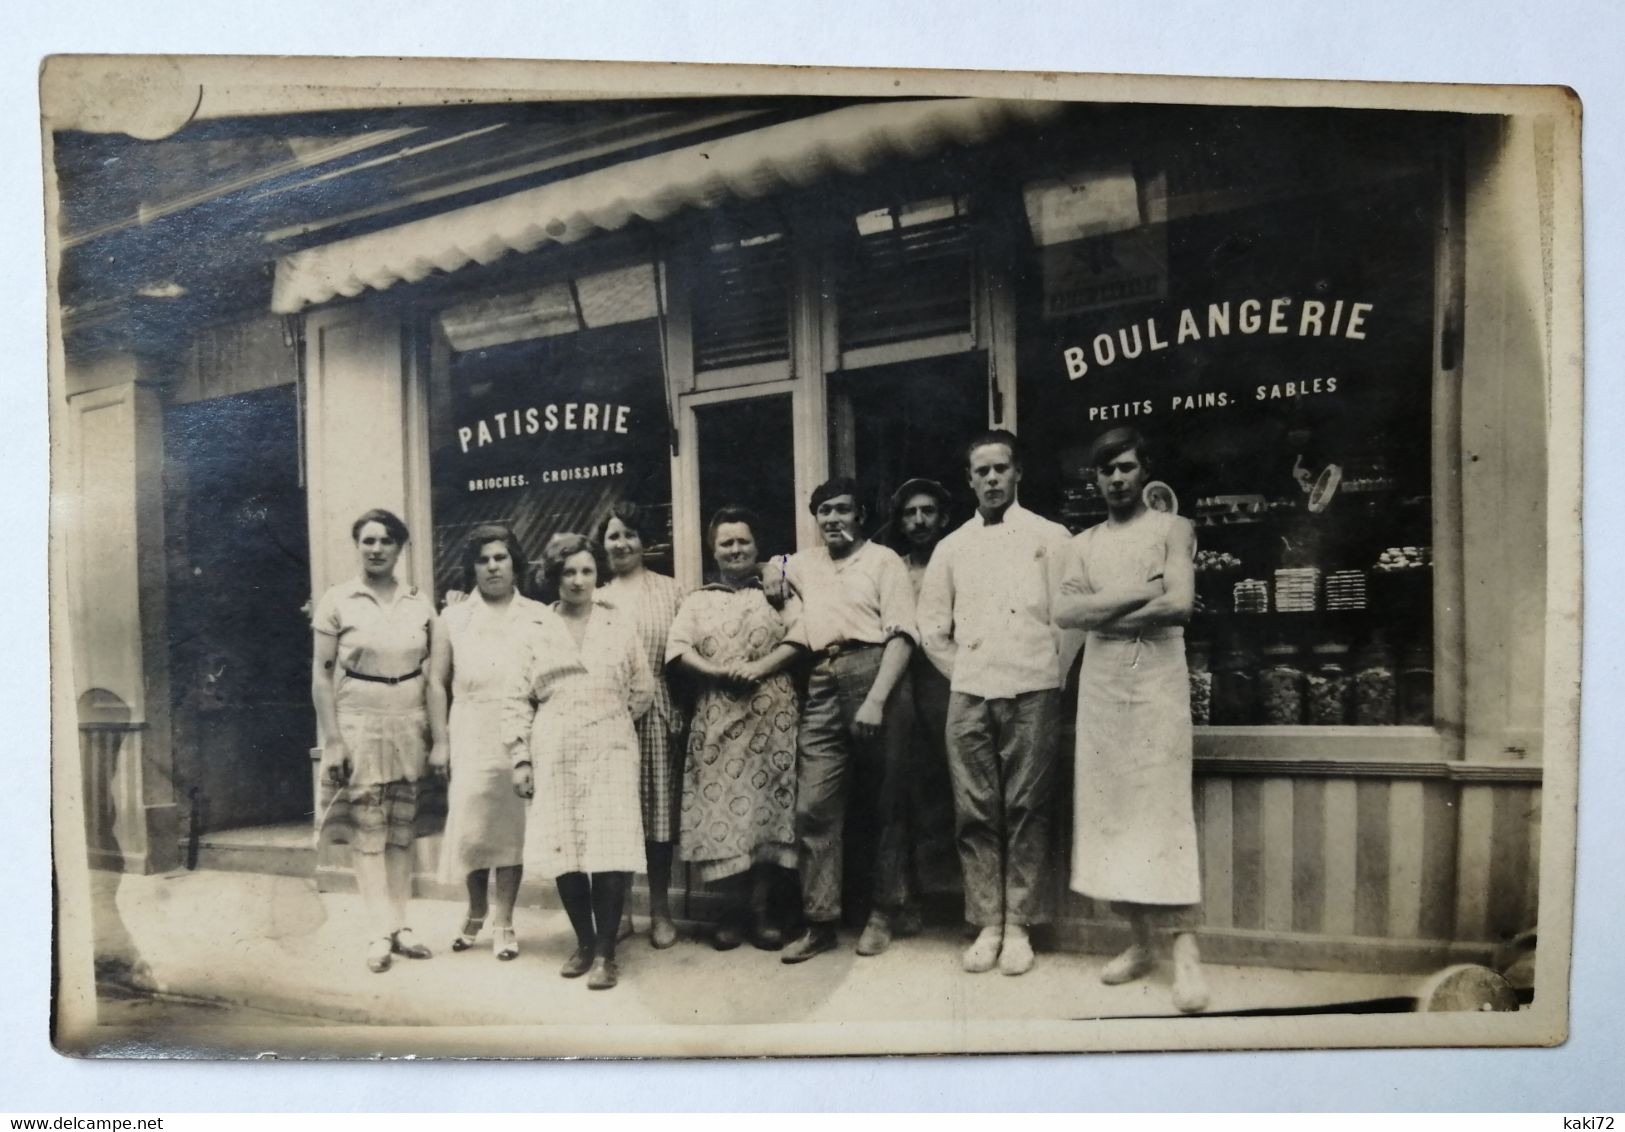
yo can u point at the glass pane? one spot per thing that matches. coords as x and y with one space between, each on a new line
544 435
906 421
746 458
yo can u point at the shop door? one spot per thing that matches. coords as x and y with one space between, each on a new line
239 580
745 456
891 423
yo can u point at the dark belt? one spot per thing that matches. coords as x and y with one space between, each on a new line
371 679
841 648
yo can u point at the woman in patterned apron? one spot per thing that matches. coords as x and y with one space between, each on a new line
739 780
479 659
649 601
576 753
373 636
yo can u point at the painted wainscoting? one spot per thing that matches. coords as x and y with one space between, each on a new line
1405 867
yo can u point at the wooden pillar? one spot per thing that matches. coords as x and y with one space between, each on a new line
109 510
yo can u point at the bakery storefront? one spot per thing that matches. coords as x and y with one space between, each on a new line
1278 299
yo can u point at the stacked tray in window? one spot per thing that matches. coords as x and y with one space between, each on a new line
1345 589
1251 595
1297 589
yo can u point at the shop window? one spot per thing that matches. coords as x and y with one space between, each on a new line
546 407
740 301
906 272
1278 358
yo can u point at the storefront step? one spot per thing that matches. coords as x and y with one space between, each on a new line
275 850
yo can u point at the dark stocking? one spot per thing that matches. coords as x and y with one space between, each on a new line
575 891
658 855
608 897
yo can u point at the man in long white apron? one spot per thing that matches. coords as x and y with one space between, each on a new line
1131 583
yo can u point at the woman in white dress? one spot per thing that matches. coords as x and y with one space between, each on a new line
479 660
1131 583
576 753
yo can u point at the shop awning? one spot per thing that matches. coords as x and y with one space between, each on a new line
852 140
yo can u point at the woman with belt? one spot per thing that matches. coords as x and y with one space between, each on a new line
479 658
373 636
649 601
739 780
577 753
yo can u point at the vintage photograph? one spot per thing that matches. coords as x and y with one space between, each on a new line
620 560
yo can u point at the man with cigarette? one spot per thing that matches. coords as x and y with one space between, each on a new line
857 620
986 623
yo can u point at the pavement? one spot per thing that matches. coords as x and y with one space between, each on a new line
282 952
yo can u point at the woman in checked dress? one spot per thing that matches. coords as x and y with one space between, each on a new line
576 753
649 601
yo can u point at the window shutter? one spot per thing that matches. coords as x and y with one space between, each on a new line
741 303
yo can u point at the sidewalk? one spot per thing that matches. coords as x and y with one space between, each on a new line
274 944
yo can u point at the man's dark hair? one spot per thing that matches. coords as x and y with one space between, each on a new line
839 485
994 436
1109 445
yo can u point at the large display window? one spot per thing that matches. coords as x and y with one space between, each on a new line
1276 350
546 407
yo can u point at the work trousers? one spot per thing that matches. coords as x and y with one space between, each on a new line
1001 759
833 761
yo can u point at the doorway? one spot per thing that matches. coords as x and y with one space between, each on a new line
888 424
239 629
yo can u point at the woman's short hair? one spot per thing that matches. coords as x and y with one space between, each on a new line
390 521
732 513
1109 445
566 545
488 533
630 514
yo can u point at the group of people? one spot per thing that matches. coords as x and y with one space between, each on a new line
821 695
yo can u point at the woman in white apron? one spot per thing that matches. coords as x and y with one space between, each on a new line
480 658
1131 584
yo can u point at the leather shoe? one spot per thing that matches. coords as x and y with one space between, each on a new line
579 963
876 935
817 939
662 934
378 959
604 974
767 937
728 936
403 942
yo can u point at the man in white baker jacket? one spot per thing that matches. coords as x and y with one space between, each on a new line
985 621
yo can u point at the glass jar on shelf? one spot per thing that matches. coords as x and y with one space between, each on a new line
1331 691
1376 685
1201 682
1416 686
1234 691
1281 685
